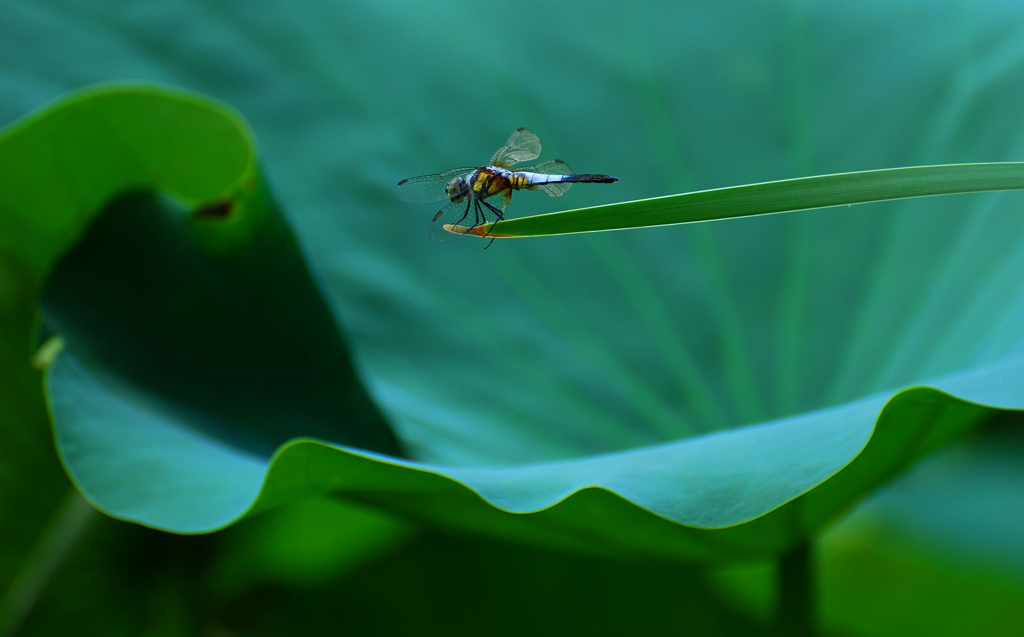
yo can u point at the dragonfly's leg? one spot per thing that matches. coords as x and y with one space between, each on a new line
501 217
478 214
465 213
496 210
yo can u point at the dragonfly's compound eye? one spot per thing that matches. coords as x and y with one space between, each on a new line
457 189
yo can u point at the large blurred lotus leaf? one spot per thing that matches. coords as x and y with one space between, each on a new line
630 361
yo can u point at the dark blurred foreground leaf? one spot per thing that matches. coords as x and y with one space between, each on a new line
515 591
126 580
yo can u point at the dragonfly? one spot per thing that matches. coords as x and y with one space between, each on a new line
480 194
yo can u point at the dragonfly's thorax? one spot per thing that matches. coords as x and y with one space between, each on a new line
492 180
489 181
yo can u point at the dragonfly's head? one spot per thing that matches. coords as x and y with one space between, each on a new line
457 189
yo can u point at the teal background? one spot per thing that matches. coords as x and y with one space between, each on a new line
554 349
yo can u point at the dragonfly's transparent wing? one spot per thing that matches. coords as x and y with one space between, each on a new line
551 167
469 213
522 145
430 188
454 214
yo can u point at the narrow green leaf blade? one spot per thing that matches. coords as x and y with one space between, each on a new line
773 197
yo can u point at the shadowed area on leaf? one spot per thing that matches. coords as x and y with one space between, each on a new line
232 335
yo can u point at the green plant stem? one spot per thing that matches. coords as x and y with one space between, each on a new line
797 599
66 524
